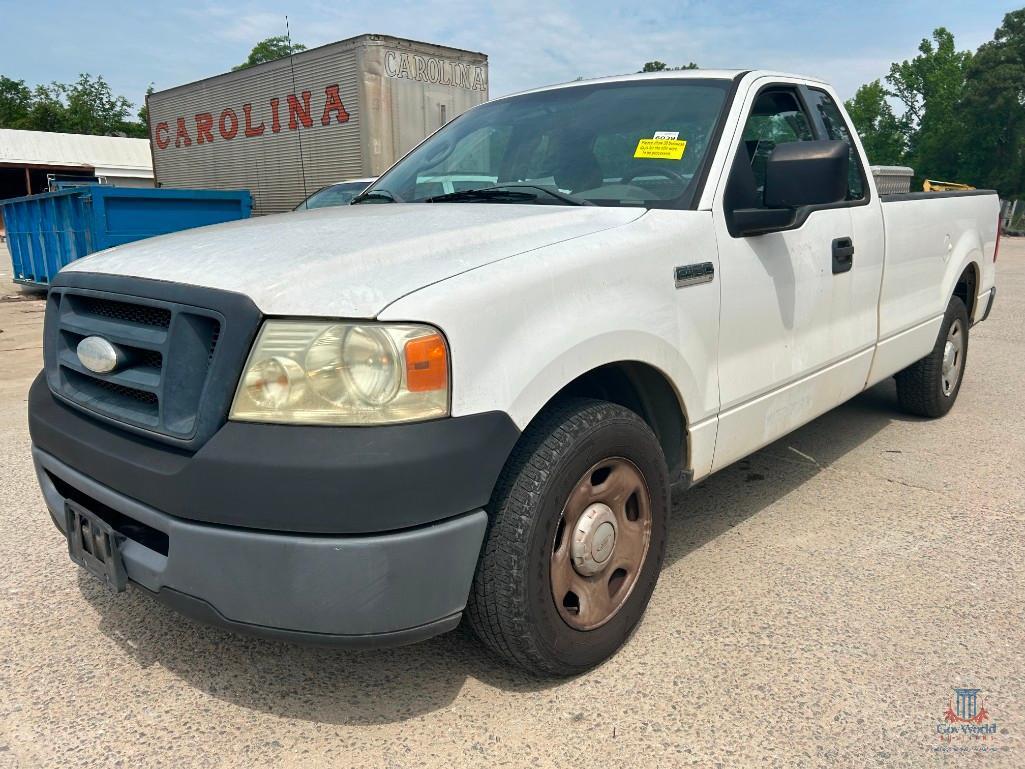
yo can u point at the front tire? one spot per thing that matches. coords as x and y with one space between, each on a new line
575 541
929 387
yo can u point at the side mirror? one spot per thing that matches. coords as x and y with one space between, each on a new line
760 221
797 174
806 174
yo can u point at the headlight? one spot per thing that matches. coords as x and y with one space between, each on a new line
343 373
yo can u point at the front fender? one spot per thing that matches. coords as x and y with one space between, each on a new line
519 330
598 351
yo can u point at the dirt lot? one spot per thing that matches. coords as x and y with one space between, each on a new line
819 603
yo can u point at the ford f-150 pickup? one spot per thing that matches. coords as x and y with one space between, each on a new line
359 425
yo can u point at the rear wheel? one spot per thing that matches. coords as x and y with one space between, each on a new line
929 387
576 539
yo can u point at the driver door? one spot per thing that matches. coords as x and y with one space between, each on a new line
787 351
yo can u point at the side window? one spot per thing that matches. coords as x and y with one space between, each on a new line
776 118
836 128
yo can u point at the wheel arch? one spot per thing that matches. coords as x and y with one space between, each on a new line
963 275
645 390
967 287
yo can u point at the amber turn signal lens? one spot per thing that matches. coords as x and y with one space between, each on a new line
426 364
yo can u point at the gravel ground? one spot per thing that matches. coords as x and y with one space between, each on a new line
819 602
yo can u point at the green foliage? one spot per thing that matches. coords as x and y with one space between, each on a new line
270 49
661 66
143 124
993 110
47 112
879 129
87 106
92 108
931 87
15 101
961 116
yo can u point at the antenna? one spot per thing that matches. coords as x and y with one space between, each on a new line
291 64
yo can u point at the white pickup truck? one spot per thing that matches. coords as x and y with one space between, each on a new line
356 425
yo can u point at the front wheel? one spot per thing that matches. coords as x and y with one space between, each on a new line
929 387
576 539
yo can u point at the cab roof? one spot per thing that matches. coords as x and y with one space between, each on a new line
674 74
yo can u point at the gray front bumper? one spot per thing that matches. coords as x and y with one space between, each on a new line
373 590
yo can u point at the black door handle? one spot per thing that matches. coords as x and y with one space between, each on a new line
843 255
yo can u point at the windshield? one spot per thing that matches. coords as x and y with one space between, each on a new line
333 195
633 143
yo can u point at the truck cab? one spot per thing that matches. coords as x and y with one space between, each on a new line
361 425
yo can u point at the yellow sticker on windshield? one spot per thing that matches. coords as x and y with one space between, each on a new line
661 149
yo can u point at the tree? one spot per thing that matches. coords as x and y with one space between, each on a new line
992 113
15 101
877 125
92 108
661 66
270 49
141 129
47 111
87 106
931 87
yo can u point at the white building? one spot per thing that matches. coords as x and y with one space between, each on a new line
27 158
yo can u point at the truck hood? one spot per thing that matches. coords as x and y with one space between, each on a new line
350 261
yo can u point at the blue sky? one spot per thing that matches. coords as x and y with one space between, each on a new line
171 42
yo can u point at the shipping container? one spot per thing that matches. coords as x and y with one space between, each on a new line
286 128
47 231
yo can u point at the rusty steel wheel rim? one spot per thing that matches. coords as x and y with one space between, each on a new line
601 543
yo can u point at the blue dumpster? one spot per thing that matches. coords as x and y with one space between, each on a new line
47 231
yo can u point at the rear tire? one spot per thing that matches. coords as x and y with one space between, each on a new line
929 387
550 531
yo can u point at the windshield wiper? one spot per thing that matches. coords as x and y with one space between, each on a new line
558 194
485 194
373 195
508 193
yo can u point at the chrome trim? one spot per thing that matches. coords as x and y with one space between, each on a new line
694 274
98 355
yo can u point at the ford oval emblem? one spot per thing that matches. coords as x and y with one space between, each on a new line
97 354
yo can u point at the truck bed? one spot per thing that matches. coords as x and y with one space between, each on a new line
931 238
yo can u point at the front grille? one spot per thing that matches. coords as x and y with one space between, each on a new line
166 351
144 315
112 390
150 359
213 342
